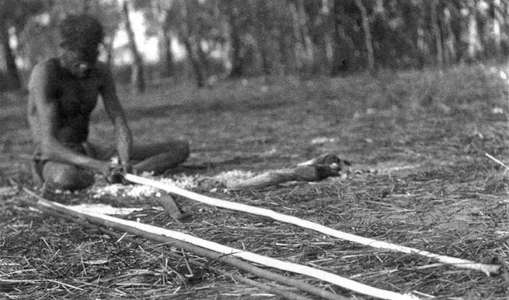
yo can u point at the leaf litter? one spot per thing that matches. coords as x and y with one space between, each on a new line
420 179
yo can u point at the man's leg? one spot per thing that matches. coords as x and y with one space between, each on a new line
66 177
160 157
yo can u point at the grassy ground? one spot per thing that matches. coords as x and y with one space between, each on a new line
421 137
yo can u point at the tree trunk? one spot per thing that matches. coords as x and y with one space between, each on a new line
298 44
13 79
368 40
195 63
450 53
343 46
165 40
137 71
110 48
187 36
437 34
236 42
497 22
166 54
304 35
474 42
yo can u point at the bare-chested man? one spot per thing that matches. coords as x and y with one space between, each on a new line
63 92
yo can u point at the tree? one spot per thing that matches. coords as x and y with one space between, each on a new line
137 69
437 33
199 26
368 40
343 45
232 10
13 80
158 18
14 15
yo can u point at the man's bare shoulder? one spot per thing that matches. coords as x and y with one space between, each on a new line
43 72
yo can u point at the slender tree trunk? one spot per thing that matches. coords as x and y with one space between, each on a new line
13 79
188 38
437 34
166 54
284 46
236 42
195 63
450 52
137 70
164 40
286 38
262 34
368 40
266 64
474 42
343 46
305 36
298 44
202 56
497 22
110 48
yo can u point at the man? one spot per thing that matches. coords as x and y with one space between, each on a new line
63 91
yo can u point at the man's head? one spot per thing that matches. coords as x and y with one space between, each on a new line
81 36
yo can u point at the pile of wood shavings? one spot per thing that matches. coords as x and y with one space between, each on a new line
183 181
104 209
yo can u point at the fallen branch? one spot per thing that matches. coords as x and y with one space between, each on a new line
165 235
458 262
317 169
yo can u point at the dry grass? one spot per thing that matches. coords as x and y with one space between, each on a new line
417 140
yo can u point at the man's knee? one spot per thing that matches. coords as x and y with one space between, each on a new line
67 177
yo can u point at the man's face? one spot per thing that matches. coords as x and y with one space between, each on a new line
80 62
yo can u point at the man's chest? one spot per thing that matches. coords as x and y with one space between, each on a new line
78 97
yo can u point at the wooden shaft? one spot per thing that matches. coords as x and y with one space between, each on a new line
165 235
458 262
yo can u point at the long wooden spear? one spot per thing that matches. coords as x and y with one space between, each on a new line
458 262
167 235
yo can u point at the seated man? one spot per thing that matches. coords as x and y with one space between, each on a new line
63 92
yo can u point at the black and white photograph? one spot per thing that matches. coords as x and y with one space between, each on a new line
254 149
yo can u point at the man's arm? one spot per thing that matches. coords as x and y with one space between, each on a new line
43 92
117 116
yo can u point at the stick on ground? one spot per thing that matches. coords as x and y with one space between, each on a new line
497 161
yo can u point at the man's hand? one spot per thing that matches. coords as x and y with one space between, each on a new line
112 172
127 168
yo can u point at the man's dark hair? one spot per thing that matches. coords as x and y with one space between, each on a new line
81 32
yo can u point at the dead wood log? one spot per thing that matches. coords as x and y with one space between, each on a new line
317 169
